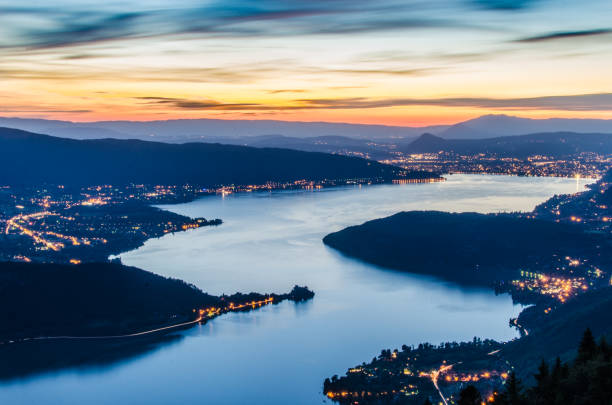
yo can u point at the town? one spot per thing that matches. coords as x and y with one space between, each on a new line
585 164
57 224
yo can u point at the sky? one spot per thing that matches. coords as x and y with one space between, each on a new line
395 62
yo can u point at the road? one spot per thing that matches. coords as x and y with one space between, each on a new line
14 222
207 313
434 378
143 333
520 328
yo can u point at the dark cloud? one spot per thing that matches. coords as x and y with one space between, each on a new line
232 74
398 72
81 56
72 27
287 91
583 102
187 104
565 35
72 23
388 24
504 4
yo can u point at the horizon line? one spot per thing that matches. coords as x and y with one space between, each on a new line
303 122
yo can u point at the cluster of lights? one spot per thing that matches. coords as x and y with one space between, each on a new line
20 222
559 288
94 201
466 377
214 311
23 224
583 165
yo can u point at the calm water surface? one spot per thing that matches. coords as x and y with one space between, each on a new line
281 354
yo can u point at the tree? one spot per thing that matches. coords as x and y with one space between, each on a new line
543 391
604 349
427 402
469 396
588 348
556 374
513 394
326 385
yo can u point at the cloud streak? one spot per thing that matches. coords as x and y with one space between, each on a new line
566 35
187 104
504 4
72 23
581 102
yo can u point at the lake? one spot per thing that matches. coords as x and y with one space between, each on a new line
281 354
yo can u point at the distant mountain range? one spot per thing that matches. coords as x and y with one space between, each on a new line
234 131
29 158
550 144
209 130
499 134
327 144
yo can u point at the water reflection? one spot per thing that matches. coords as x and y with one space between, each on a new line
19 361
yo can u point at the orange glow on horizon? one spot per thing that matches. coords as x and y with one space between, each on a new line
432 116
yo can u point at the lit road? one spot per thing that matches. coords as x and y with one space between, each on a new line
434 378
207 313
14 222
521 328
143 333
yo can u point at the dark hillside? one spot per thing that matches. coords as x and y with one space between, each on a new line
29 158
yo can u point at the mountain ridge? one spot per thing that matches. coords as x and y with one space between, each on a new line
495 125
42 159
547 143
183 130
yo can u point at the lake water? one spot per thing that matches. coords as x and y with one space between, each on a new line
281 354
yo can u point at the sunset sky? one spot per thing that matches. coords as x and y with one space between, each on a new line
410 62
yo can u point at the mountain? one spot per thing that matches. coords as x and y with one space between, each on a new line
489 126
30 158
426 143
551 144
186 130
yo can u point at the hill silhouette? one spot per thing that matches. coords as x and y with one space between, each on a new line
46 299
30 158
495 125
90 299
549 144
466 248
